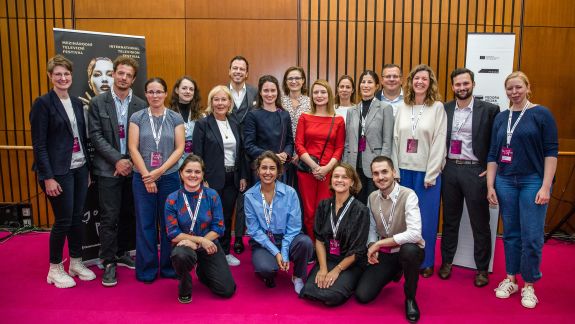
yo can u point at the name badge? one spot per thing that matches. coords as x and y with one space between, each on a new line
271 237
362 144
76 146
385 250
334 247
155 159
188 146
506 155
411 145
455 147
121 131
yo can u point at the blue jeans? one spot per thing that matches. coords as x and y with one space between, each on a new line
523 224
150 216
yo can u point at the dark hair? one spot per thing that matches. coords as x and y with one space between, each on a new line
126 60
432 95
460 71
372 74
59 60
341 78
352 174
272 156
156 79
240 58
192 158
194 105
382 158
392 65
285 87
264 79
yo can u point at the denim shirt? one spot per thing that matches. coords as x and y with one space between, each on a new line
285 220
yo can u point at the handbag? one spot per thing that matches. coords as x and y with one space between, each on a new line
302 166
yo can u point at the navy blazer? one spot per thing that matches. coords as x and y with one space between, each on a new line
209 145
52 135
248 104
258 135
481 124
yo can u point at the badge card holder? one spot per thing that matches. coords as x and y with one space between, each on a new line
76 145
411 145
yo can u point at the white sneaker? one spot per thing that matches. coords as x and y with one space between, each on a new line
297 284
77 268
232 260
59 277
528 298
506 288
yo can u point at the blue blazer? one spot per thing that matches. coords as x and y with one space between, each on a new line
52 135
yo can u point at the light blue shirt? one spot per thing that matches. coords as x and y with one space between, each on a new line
394 103
122 113
285 220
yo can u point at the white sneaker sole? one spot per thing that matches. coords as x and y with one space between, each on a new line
60 285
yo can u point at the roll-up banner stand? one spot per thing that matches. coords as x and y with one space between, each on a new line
490 57
92 54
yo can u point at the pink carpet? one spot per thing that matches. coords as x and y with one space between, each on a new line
26 298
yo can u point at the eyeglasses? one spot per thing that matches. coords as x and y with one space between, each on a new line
290 79
391 76
155 93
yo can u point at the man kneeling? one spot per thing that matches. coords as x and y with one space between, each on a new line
395 243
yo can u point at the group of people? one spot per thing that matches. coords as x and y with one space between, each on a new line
353 183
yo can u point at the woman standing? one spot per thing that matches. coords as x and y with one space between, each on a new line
194 221
269 127
156 143
521 165
61 163
419 151
273 220
320 138
369 132
341 229
186 101
218 142
344 96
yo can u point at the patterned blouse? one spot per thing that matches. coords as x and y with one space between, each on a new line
295 113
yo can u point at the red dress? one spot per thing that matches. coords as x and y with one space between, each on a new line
310 138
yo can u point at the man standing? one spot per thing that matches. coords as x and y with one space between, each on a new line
469 123
109 114
395 242
244 96
391 81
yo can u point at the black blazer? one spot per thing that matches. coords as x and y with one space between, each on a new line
248 104
52 135
103 128
482 121
209 145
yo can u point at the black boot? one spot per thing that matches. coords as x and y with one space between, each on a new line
239 245
411 310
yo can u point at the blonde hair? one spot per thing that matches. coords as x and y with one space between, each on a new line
431 96
330 109
523 77
211 95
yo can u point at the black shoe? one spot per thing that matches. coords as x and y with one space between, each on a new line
239 246
411 310
270 283
481 279
126 261
185 299
445 271
109 277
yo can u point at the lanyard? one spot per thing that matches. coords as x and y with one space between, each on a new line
335 227
194 216
268 211
415 122
387 225
460 125
363 118
510 129
157 136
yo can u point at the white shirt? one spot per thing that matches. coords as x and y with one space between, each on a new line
238 95
462 115
78 158
229 142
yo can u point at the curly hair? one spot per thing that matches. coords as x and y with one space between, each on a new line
432 95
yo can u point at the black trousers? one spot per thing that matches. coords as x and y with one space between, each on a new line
212 270
341 289
367 187
461 182
68 208
228 195
377 276
300 252
117 217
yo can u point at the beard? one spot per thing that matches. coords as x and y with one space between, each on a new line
463 95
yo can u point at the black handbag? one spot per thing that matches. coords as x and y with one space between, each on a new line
302 166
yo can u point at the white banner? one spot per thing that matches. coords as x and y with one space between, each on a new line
490 57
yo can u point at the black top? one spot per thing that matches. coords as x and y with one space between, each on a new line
184 110
265 130
352 232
